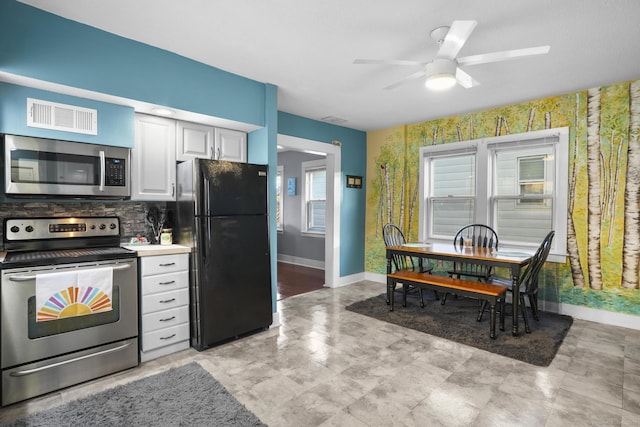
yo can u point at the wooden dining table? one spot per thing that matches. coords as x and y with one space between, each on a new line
512 259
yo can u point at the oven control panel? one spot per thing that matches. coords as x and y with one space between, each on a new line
20 229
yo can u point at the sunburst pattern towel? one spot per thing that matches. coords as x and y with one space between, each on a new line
73 293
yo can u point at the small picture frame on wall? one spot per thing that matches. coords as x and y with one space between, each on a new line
354 181
291 187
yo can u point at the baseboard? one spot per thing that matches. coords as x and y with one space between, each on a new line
347 280
276 320
375 277
591 314
578 312
305 262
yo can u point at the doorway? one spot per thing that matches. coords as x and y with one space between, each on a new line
333 180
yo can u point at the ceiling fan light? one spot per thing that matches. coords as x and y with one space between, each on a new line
440 82
441 74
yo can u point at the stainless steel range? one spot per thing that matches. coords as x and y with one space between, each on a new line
69 304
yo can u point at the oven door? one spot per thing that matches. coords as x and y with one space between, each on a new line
25 340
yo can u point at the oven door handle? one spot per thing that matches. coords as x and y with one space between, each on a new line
66 362
33 276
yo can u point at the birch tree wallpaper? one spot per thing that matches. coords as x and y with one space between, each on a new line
603 218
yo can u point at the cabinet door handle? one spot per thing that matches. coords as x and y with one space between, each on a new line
168 264
168 319
167 283
168 338
173 189
164 301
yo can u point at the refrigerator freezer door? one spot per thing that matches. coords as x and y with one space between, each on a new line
230 188
234 278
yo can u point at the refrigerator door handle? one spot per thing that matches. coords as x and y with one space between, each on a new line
206 201
203 251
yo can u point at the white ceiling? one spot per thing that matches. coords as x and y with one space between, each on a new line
307 48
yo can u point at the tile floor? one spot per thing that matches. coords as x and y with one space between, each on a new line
325 366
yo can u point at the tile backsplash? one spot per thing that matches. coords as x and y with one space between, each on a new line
132 214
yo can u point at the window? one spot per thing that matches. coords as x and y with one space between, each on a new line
531 178
279 199
314 189
453 193
517 184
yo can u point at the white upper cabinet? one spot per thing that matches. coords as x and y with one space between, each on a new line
153 159
194 141
230 145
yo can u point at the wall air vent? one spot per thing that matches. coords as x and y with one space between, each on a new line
67 118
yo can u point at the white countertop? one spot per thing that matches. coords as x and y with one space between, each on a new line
150 250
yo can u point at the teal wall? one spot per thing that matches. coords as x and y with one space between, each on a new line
259 150
36 44
353 201
115 122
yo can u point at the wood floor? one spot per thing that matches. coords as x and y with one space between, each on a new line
295 279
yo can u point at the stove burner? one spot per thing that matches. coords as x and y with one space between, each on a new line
32 242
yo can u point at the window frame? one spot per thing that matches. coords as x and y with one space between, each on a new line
280 201
485 192
440 152
305 168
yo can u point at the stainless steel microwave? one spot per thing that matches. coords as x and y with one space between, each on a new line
51 168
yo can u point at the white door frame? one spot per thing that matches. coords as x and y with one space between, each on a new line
334 180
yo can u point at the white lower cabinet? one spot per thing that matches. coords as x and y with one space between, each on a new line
164 305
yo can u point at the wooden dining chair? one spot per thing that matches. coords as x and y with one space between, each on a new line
528 282
477 235
393 236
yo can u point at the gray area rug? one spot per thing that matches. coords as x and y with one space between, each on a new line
456 321
184 396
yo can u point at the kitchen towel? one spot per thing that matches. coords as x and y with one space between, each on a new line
73 293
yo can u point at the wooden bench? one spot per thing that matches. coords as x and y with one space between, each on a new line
491 293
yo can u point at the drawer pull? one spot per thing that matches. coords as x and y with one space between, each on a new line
168 319
168 338
167 283
168 264
164 301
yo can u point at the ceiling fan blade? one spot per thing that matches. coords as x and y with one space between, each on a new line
388 62
406 79
504 55
465 80
456 37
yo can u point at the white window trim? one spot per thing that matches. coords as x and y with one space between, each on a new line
483 149
281 203
313 164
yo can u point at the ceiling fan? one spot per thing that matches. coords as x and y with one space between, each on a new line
443 72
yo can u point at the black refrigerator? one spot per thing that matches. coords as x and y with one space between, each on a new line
221 213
